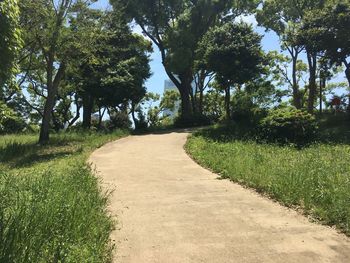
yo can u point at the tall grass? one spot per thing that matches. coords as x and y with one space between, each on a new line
316 179
52 208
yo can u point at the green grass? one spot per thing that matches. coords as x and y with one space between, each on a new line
52 208
315 179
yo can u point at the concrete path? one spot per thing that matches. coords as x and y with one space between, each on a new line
170 210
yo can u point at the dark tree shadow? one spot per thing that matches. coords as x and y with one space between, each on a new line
18 155
335 133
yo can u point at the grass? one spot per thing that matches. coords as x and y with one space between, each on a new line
52 208
315 179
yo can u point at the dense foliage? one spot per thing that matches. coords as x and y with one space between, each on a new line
289 126
10 122
10 38
81 64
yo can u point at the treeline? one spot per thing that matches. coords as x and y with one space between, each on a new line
207 50
71 57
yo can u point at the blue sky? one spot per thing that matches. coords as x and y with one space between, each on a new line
155 84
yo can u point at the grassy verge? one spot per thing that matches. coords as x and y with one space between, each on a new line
51 207
316 179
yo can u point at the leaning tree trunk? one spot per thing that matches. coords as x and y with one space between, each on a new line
77 113
183 84
52 89
312 61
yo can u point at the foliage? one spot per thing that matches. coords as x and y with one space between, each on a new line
326 29
284 18
289 126
213 105
10 122
157 114
10 38
313 179
233 51
176 28
118 120
245 110
84 56
52 207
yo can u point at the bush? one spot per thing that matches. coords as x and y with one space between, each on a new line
289 126
119 120
244 110
9 121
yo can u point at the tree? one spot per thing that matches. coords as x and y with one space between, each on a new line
46 36
113 70
176 28
327 30
279 70
10 38
233 51
214 103
284 17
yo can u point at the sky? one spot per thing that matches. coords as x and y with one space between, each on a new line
155 84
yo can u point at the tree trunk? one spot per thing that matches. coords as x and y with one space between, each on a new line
88 104
322 85
134 119
312 61
347 74
347 71
193 102
186 106
200 104
45 125
201 88
101 113
77 113
52 89
184 87
228 101
296 92
185 93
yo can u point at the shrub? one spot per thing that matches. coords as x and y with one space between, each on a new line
9 121
119 120
289 126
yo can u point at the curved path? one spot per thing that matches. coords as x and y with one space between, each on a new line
169 209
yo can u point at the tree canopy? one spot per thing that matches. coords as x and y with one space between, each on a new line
10 38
